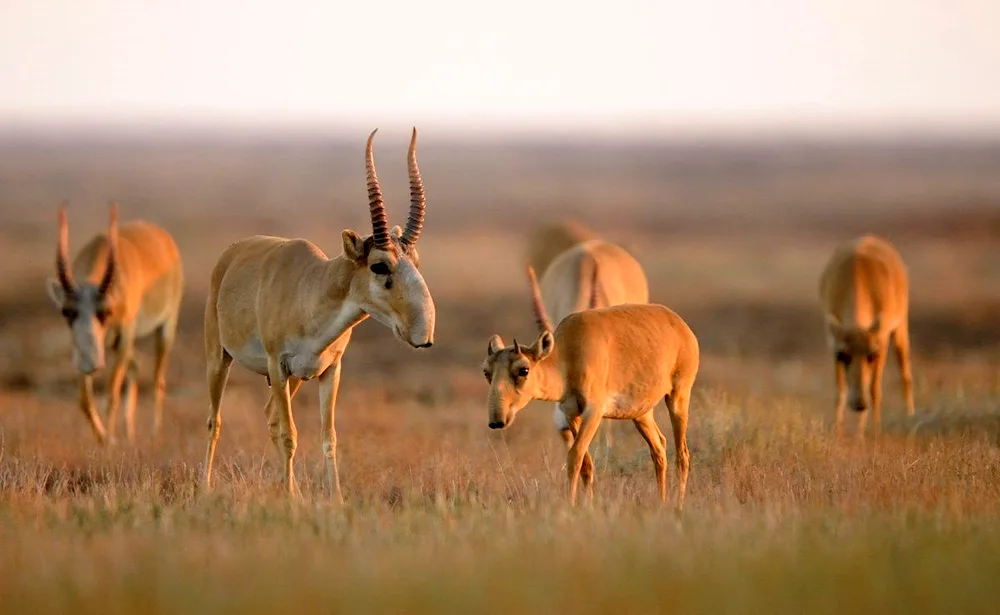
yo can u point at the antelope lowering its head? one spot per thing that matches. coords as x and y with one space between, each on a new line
614 362
282 309
121 286
591 274
550 240
865 295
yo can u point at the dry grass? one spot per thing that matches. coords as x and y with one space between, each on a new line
443 515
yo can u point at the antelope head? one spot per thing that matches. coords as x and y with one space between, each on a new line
387 284
512 371
86 306
857 350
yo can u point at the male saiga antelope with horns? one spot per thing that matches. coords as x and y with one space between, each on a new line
121 286
615 362
282 309
586 274
864 292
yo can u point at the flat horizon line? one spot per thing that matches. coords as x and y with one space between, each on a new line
494 131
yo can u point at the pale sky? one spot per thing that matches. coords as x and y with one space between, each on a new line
597 65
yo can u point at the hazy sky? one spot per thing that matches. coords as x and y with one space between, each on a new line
603 65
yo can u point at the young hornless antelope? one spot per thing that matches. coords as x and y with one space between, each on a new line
614 362
590 274
282 309
865 295
122 286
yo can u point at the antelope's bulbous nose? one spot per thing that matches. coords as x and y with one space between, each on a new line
87 366
427 344
496 424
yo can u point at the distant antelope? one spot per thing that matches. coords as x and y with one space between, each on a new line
122 286
865 295
282 309
614 362
551 239
590 274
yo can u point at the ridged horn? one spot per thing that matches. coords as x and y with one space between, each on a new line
541 318
418 201
595 290
380 223
62 253
109 269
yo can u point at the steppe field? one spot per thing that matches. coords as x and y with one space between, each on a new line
443 514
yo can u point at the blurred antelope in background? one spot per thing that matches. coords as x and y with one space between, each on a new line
282 309
551 239
580 271
865 296
121 286
615 362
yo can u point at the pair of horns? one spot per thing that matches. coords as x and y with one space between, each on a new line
62 252
418 201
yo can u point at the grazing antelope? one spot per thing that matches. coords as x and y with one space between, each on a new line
550 240
865 295
122 286
590 274
282 309
614 362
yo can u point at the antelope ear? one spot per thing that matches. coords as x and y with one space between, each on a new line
543 345
56 292
496 345
354 245
876 325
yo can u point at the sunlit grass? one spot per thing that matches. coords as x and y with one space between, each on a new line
780 518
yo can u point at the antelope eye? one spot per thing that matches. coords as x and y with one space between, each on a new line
871 357
489 378
69 313
380 268
522 372
102 314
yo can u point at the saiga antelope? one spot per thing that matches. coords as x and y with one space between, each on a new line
551 239
865 297
121 286
282 309
614 362
590 274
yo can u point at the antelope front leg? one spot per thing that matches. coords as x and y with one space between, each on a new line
286 423
568 428
131 393
329 384
876 391
590 421
86 385
123 357
902 345
840 374
273 423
